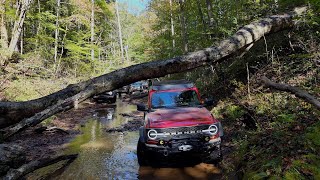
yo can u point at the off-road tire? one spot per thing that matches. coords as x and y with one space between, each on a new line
113 100
141 154
213 158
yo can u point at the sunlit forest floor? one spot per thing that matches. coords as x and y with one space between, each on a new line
270 133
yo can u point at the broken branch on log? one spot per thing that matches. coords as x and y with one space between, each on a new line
37 110
291 89
34 165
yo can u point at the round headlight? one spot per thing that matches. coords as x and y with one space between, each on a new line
152 134
213 129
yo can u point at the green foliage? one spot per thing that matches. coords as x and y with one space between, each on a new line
309 165
48 121
25 88
233 112
74 45
313 135
256 175
286 118
226 18
21 90
293 174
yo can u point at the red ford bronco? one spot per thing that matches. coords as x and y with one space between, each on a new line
176 123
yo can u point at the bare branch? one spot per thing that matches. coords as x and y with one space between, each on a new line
291 89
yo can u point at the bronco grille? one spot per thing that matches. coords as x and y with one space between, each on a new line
182 130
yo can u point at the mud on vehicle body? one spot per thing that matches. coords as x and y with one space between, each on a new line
177 124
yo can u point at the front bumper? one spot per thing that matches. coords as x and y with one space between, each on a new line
182 147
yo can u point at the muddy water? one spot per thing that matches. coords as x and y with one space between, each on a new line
105 155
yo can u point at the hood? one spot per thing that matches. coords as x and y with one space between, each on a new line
180 117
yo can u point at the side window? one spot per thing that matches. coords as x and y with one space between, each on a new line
189 97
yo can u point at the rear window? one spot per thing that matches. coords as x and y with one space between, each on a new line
174 99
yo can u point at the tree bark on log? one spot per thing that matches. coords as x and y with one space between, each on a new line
294 90
38 109
11 156
34 165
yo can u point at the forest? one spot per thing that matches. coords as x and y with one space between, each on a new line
258 59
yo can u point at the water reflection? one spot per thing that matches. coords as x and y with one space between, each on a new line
200 171
104 155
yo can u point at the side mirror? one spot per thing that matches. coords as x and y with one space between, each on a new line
208 102
141 107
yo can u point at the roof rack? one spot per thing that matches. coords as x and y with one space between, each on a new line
173 84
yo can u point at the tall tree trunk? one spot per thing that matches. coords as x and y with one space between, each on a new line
119 32
39 21
99 54
18 25
3 28
56 38
126 48
62 49
183 26
21 41
172 27
209 9
3 37
201 16
92 29
39 109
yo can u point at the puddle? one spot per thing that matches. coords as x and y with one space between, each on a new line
105 155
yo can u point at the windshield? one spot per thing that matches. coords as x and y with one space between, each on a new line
174 99
136 84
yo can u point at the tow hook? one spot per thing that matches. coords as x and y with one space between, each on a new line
185 148
165 153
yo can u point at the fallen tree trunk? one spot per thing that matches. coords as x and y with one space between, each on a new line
294 90
11 156
39 109
39 117
34 165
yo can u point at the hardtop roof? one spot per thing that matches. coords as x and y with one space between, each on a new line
172 84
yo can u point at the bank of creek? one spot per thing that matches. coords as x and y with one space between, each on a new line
106 145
